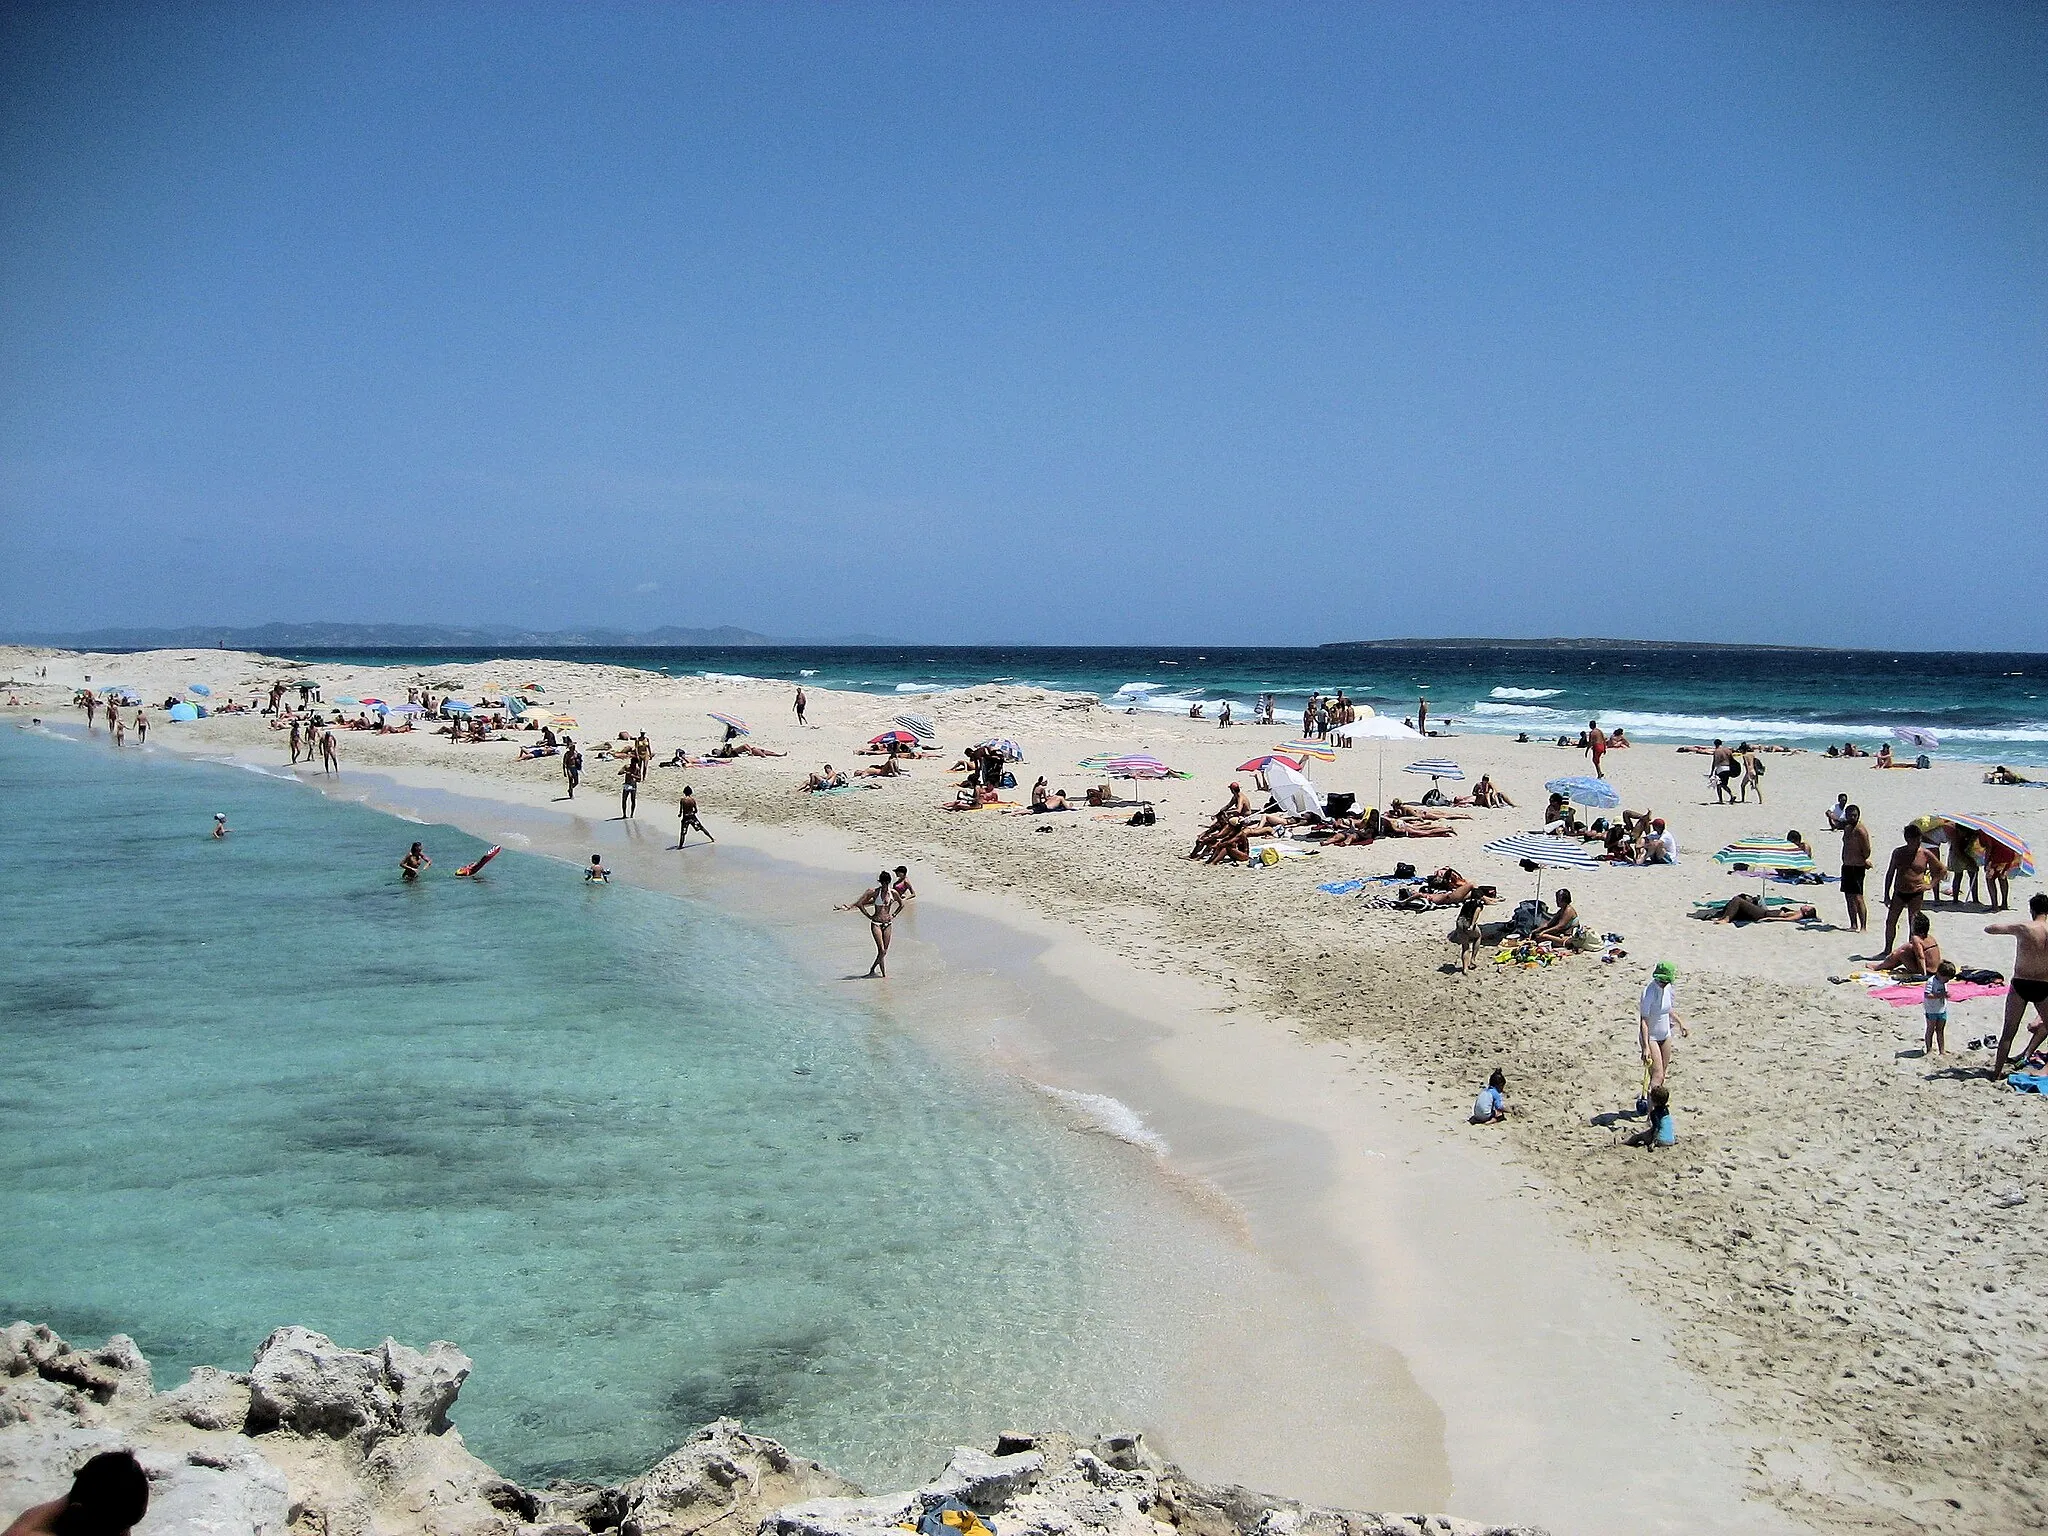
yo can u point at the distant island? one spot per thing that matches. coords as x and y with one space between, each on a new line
1478 643
275 638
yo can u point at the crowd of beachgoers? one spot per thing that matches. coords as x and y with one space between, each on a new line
1567 952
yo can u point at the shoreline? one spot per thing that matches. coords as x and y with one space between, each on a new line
1773 1258
1335 1178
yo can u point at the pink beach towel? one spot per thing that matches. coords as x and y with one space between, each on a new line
1910 993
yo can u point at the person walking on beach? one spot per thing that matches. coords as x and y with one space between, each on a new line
802 704
629 789
1422 716
1722 769
1855 867
414 861
330 759
880 905
295 743
2029 982
1752 773
1596 743
572 764
687 811
1905 883
1656 1017
142 736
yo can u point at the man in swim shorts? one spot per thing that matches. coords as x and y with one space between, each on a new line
2029 982
688 812
1855 867
1906 879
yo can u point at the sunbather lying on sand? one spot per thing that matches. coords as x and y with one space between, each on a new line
743 749
2004 775
1745 908
889 769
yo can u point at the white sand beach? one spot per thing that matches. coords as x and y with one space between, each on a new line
1818 1310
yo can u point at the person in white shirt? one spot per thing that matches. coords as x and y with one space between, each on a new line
1838 813
1662 845
1656 1017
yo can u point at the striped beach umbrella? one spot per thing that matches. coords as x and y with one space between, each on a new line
919 726
1136 765
1303 749
1436 768
1766 853
1544 852
1010 750
1992 832
1916 736
1580 790
1258 764
730 722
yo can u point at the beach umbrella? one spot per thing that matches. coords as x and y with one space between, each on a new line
1436 768
1769 852
406 709
731 722
348 703
184 711
1376 728
1580 790
456 707
896 738
1291 789
1992 832
372 703
1916 736
1544 852
1010 750
1136 765
199 688
1304 749
1258 764
919 726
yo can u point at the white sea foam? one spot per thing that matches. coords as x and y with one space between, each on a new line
1525 693
1105 1116
1516 711
730 677
1140 688
807 672
920 687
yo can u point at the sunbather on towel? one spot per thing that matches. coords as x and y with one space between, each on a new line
1919 956
2004 775
1745 908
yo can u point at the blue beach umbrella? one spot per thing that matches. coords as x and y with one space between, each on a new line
199 688
184 712
455 707
1578 789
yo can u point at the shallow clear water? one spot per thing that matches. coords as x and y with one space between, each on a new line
609 1141
1983 705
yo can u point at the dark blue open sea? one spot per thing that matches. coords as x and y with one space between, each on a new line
1982 705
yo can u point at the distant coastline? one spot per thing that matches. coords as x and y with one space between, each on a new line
1567 643
275 638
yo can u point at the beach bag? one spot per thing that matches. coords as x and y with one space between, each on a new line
1922 761
1269 856
1404 871
1761 765
1009 781
1529 916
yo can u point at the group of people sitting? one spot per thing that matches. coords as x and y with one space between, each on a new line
1227 838
1636 837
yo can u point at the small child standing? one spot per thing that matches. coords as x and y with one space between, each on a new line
1935 1001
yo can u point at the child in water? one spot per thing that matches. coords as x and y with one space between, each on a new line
597 873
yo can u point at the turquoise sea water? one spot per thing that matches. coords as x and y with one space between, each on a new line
1983 705
609 1141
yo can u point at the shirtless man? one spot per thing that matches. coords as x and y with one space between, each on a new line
688 813
1855 867
2029 982
330 761
1596 743
1238 804
414 861
109 1496
1723 769
295 743
1906 880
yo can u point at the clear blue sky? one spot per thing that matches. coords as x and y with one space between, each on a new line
1074 323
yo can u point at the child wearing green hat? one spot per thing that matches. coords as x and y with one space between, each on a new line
1656 1017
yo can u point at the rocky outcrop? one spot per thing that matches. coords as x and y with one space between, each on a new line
321 1440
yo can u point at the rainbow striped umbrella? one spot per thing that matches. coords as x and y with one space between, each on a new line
730 722
1766 853
1992 832
1137 765
1315 749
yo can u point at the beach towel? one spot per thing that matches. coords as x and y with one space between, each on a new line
1769 901
1281 851
2028 1082
1909 994
1342 887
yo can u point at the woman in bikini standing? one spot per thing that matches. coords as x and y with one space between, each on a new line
880 906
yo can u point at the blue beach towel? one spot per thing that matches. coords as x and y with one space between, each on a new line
1342 887
2028 1082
